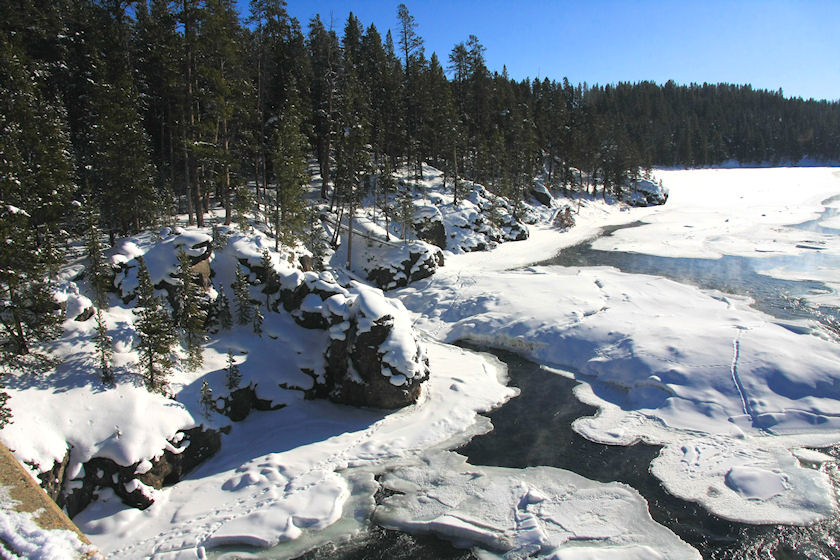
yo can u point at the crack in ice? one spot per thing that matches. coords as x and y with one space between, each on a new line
736 355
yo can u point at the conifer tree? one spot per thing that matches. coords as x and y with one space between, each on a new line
388 187
289 147
156 331
269 278
5 412
223 309
242 293
405 209
233 377
35 188
98 273
104 349
257 323
324 54
352 156
208 404
191 316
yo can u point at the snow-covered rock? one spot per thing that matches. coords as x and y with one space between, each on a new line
377 360
644 192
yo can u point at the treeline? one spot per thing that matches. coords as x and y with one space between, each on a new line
152 107
702 125
143 109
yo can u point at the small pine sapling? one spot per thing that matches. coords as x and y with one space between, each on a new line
5 412
156 331
242 293
98 273
191 315
223 309
104 350
269 276
258 321
233 377
208 404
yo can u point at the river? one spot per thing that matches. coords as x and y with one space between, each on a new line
535 428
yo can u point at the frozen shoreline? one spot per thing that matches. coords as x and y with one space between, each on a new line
720 385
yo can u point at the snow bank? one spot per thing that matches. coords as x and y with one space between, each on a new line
538 512
282 472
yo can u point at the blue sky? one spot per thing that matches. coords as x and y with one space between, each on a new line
771 44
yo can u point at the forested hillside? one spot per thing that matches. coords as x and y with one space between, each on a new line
139 110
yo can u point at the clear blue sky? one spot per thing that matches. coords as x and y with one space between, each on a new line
771 44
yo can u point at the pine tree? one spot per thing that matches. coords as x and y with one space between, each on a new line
242 293
156 331
5 412
325 59
221 90
233 377
269 277
405 209
208 404
223 310
191 316
352 156
35 188
104 349
388 187
258 321
289 147
108 135
98 273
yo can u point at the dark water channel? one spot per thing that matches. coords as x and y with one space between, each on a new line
535 429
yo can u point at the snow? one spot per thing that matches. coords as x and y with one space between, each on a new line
284 471
538 512
22 538
737 399
664 362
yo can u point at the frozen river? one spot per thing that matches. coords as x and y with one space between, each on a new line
785 286
689 371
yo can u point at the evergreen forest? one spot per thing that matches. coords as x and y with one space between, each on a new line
137 111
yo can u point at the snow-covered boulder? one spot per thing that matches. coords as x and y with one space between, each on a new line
374 358
428 224
644 192
541 194
400 264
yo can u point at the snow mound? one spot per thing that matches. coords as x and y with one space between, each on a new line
751 480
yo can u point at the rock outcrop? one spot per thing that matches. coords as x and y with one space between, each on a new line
134 484
374 359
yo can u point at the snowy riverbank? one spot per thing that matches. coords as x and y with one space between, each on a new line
734 395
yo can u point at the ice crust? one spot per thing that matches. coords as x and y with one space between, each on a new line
538 512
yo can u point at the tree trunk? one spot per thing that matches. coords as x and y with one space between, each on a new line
226 188
350 214
455 175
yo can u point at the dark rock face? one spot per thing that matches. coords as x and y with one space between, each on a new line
354 372
52 481
240 403
542 196
85 315
196 444
431 231
417 266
